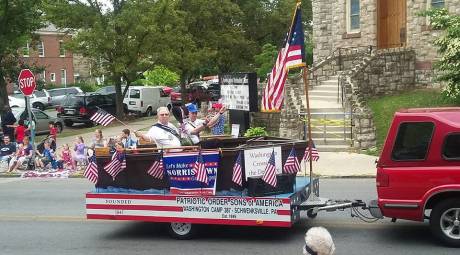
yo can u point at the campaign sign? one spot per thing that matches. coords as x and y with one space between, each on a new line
256 160
182 180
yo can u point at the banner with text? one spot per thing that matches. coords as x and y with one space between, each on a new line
255 161
179 168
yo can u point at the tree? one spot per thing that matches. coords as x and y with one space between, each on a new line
159 76
449 47
122 37
18 20
265 61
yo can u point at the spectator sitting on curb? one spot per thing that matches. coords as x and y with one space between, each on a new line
7 150
318 241
23 153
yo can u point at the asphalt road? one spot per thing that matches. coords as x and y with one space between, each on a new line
47 217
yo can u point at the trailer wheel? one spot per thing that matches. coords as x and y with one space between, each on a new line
445 222
181 231
311 215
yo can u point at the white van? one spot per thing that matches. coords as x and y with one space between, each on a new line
145 99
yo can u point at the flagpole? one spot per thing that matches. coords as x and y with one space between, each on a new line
312 196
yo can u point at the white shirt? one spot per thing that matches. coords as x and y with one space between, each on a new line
190 126
162 137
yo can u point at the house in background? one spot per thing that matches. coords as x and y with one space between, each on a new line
62 66
379 23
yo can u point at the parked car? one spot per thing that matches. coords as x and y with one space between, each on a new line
146 99
108 90
175 96
79 108
41 119
58 95
197 92
214 91
39 100
418 172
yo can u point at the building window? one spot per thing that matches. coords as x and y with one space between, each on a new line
25 50
437 3
61 49
353 9
52 77
63 77
41 49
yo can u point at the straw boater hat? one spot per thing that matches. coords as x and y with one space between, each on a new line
318 241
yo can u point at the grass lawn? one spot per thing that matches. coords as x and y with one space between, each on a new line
385 107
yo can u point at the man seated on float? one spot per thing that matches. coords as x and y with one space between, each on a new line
163 133
194 126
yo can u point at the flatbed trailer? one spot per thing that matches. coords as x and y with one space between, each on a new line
181 211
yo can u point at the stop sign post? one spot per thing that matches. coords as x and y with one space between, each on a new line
27 86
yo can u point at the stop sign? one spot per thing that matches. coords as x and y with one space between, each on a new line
26 81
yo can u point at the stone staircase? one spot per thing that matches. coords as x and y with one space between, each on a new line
330 122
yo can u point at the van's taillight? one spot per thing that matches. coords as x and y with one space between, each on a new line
142 103
83 111
383 180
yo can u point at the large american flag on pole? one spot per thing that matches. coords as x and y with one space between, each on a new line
270 171
116 165
102 117
91 170
314 153
200 171
292 164
290 56
237 176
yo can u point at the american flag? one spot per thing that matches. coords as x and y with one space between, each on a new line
91 170
290 56
200 170
118 164
314 153
270 171
292 164
237 176
102 117
156 170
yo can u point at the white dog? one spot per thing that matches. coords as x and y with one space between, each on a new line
318 241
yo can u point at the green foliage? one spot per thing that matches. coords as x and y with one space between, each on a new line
384 108
159 76
86 87
18 19
449 48
255 131
265 60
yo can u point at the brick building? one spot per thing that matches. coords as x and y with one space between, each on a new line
379 23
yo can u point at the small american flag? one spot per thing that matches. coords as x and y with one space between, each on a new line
118 164
292 164
156 170
102 117
270 171
91 170
237 176
200 170
314 153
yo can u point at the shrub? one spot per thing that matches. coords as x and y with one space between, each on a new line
255 131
